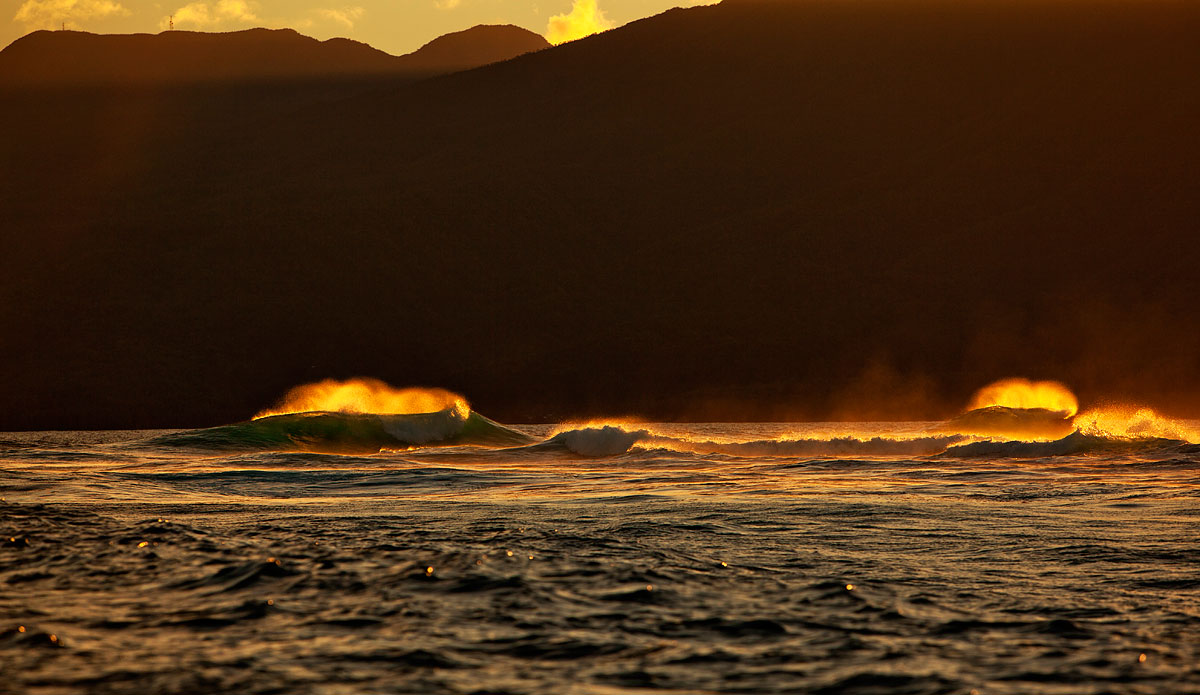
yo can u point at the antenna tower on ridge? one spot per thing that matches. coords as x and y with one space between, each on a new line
171 23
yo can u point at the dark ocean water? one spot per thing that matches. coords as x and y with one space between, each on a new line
345 556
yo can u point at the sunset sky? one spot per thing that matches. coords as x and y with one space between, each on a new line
395 26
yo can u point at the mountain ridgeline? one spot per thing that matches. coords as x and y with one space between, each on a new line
45 58
759 209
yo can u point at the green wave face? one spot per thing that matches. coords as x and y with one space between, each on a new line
347 433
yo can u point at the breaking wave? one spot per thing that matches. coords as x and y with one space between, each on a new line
1011 418
350 433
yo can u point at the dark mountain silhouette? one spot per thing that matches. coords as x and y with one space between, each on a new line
756 209
480 45
70 57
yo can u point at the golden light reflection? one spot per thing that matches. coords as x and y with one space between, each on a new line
1026 394
365 396
1134 422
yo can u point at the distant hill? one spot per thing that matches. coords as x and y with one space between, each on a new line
759 209
480 45
46 58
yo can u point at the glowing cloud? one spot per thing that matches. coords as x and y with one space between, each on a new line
236 10
1026 394
203 14
345 16
365 396
52 14
585 19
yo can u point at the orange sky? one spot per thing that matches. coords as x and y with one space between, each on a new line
395 26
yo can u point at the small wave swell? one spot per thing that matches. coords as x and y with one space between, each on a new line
611 440
615 440
1074 444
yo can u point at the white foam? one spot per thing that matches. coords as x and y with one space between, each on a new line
600 441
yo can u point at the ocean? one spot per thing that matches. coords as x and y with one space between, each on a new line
336 554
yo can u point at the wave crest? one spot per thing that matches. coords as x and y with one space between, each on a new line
350 433
1015 423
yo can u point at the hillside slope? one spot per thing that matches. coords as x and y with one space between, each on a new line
757 209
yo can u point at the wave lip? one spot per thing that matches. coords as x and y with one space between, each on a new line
1005 421
349 433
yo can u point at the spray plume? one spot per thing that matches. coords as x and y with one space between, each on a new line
365 396
1134 422
1025 394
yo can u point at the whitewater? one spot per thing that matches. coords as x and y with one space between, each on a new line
340 552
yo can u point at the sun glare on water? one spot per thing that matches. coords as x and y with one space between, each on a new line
1026 394
365 396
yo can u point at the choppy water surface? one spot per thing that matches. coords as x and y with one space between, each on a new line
350 556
